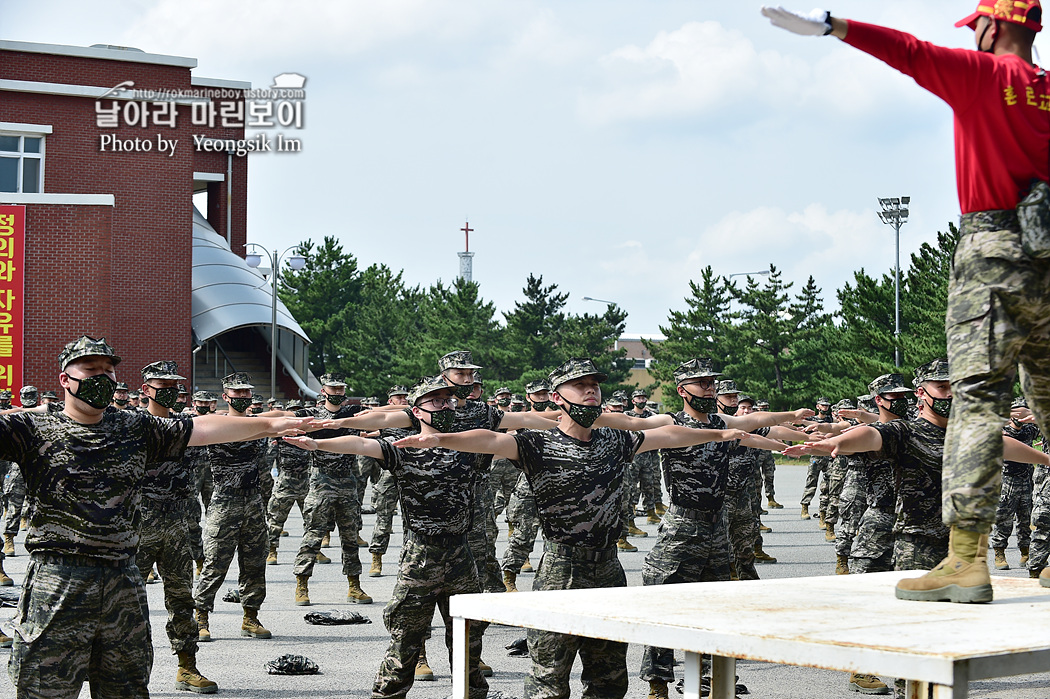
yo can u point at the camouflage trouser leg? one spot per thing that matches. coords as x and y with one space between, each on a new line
502 478
1015 502
325 508
836 474
769 467
817 465
686 550
1040 551
367 468
917 552
81 623
522 543
482 550
852 503
872 550
235 524
384 501
427 575
491 530
998 318
743 532
194 532
15 495
288 491
1038 475
649 478
604 662
631 493
164 540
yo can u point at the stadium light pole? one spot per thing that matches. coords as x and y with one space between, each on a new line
296 262
763 273
611 303
895 213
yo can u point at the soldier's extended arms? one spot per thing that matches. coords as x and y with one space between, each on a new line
1020 452
858 439
375 420
676 436
623 421
217 429
753 421
788 434
541 420
349 444
471 441
758 442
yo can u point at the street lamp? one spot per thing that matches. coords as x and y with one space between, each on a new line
296 262
764 272
895 213
588 298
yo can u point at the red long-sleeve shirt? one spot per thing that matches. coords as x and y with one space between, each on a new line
1001 105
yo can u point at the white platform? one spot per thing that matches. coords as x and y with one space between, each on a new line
848 623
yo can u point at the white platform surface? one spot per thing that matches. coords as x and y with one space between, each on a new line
848 622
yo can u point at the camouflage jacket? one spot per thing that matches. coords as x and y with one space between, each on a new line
171 480
745 464
696 476
1026 433
331 468
917 446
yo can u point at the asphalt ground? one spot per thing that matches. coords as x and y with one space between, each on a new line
349 655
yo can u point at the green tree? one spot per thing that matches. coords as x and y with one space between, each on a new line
925 303
533 328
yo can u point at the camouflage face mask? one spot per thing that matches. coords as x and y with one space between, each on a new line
503 402
542 405
239 405
899 407
202 409
441 420
729 409
461 390
704 406
121 401
583 415
166 397
97 391
941 406
179 406
335 400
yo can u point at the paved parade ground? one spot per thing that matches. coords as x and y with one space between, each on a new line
349 655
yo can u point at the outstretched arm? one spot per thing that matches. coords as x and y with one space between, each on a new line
374 420
753 421
622 421
340 445
471 441
859 439
1020 452
538 420
218 429
676 436
757 442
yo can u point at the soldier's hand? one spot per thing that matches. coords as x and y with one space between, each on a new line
1020 414
288 426
303 442
814 23
802 413
730 435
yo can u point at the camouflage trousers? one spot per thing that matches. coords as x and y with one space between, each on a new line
872 550
836 475
1038 475
742 523
427 576
1040 546
502 478
194 532
852 504
325 507
367 468
645 480
14 499
164 540
998 318
235 524
769 468
692 548
918 552
817 466
526 527
289 490
553 654
384 502
483 548
80 622
1015 503
265 486
205 483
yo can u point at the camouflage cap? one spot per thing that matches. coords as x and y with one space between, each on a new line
85 346
257 399
48 394
744 398
28 391
164 369
371 401
201 395
537 386
133 393
762 404
937 370
727 387
888 383
333 379
425 386
1019 403
696 368
823 400
501 390
460 359
639 394
622 395
845 404
397 391
293 405
477 378
517 399
278 405
867 402
121 386
237 380
575 368
5 394
182 390
615 400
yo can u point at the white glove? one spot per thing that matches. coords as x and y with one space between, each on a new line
816 23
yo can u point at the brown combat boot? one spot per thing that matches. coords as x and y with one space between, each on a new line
326 541
376 571
657 689
5 579
189 678
354 593
203 634
361 543
284 532
1024 555
761 556
200 566
9 545
961 577
1000 559
250 625
321 558
841 565
651 517
774 505
829 531
5 640
660 508
152 578
867 684
634 530
763 528
423 671
302 590
805 512
526 567
484 668
822 523
510 580
271 559
510 529
624 545
1044 577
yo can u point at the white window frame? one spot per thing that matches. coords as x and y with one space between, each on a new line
21 131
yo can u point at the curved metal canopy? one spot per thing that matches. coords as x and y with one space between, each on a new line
227 293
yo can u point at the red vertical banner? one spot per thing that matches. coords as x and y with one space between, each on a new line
12 296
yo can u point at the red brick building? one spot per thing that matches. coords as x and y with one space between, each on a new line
107 179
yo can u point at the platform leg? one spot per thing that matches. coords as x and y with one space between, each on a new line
460 654
723 677
943 691
692 670
917 690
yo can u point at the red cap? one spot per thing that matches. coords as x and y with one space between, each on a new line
1027 13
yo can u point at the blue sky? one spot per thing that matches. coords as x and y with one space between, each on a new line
614 146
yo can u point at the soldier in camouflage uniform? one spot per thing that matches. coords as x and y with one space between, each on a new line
385 493
331 500
1015 502
367 468
503 474
202 486
293 483
648 467
817 465
436 492
83 597
236 519
836 475
769 466
164 534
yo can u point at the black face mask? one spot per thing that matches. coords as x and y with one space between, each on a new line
503 402
239 405
179 406
583 415
166 397
97 391
941 406
704 406
29 402
202 409
542 405
899 407
460 390
517 408
121 401
441 420
728 409
335 400
639 406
